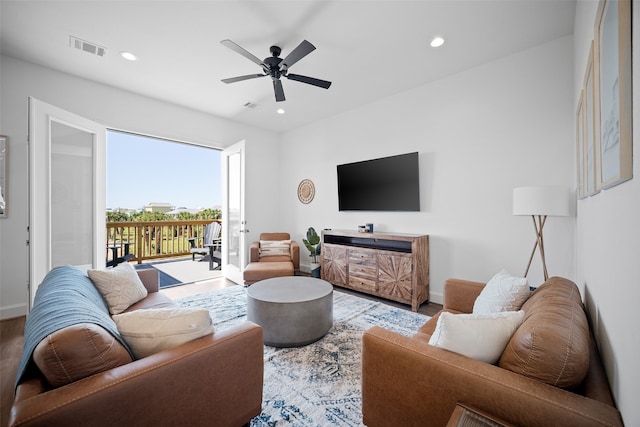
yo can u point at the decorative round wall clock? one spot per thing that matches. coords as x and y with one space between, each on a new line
306 191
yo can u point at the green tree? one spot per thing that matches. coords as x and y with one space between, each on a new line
209 214
117 217
150 216
185 216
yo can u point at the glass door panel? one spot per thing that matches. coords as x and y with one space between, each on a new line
233 224
71 196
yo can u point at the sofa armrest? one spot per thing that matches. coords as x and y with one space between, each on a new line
150 279
254 252
408 382
295 255
217 378
459 295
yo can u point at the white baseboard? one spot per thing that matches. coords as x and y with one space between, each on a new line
11 311
436 297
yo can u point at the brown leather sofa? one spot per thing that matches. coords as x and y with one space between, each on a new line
407 382
260 268
216 379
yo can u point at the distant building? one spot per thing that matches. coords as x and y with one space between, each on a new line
158 207
128 211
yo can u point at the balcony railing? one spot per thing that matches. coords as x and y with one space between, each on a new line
147 240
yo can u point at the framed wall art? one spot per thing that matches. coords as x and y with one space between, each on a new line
590 147
587 158
4 149
613 102
580 151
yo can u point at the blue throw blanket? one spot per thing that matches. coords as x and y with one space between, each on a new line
65 297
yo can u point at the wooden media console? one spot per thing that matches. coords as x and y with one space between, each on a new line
389 265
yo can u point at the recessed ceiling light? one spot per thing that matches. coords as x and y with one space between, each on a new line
128 56
280 111
437 41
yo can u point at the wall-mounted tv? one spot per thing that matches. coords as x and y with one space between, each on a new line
385 184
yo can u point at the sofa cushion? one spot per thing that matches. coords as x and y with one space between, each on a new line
153 300
76 352
479 336
503 292
120 286
552 345
156 329
275 248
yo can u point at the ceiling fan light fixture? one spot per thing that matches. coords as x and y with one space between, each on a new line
437 41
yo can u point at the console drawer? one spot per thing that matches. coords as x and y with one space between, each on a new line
361 256
361 283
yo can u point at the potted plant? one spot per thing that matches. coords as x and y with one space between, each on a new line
312 242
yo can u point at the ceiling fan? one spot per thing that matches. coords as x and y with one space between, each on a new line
277 67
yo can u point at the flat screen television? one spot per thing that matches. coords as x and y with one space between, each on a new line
385 184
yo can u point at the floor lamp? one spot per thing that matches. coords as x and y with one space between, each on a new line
540 202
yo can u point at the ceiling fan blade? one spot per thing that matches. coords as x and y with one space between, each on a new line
309 80
241 78
238 49
297 54
279 91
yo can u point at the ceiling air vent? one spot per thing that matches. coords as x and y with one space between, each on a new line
87 46
250 105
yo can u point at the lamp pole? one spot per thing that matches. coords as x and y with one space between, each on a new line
538 225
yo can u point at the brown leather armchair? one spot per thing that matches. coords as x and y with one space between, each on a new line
265 267
294 255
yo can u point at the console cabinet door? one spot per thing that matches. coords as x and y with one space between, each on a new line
334 264
395 275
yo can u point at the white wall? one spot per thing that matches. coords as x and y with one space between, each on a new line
608 243
479 133
116 109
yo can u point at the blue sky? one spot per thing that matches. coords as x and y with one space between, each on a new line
142 170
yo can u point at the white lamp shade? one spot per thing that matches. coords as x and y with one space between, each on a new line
541 200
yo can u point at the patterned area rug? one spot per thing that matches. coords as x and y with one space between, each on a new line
318 384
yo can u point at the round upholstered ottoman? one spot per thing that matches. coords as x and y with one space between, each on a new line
293 311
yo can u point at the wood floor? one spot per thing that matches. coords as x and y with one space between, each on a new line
12 336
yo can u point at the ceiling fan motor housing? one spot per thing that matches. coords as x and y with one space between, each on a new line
273 64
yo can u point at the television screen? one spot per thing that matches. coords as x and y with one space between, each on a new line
386 184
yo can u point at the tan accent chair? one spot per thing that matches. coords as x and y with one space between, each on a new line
407 382
260 268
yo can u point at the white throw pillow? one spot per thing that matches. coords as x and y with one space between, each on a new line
149 331
120 286
481 337
275 247
502 293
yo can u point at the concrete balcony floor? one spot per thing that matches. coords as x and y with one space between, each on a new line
179 271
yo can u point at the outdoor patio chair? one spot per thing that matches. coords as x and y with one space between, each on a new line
211 246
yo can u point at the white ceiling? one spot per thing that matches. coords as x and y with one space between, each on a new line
368 49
